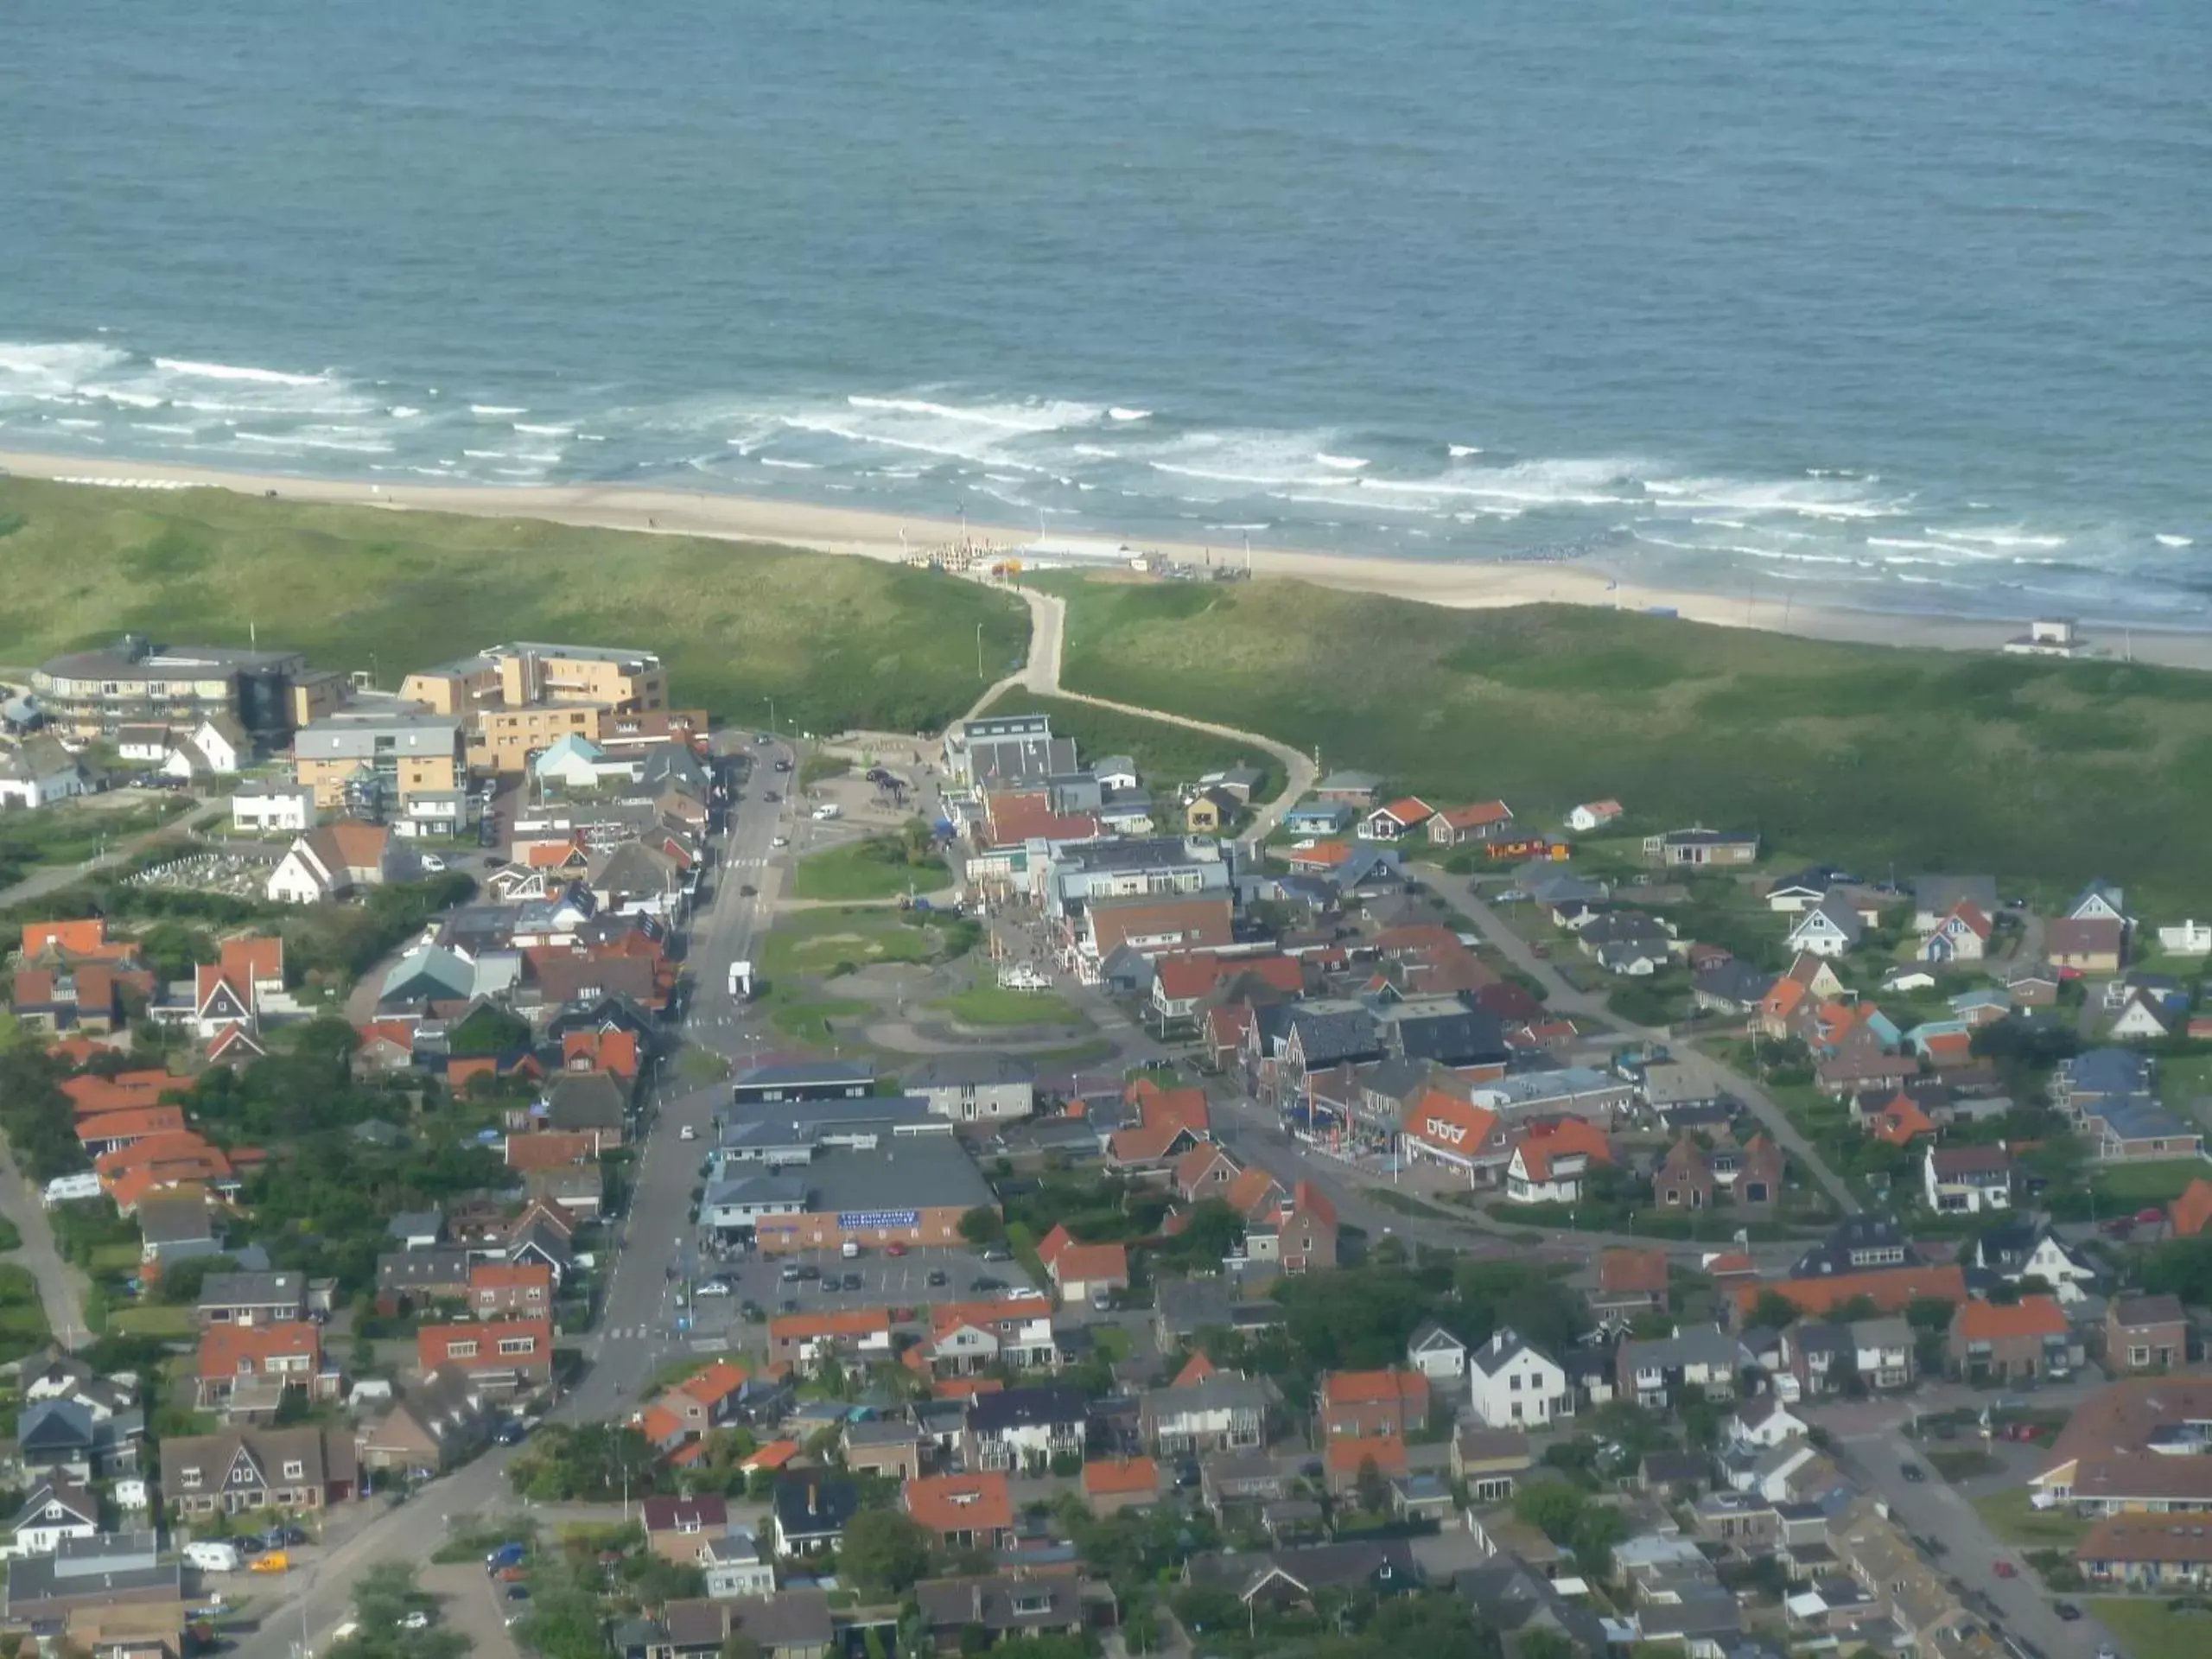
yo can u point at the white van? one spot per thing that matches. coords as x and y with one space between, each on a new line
823 814
213 1556
849 1251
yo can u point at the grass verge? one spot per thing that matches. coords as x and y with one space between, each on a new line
2043 773
874 868
836 642
2010 1515
994 1005
2149 1627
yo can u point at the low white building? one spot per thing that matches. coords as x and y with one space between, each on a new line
1512 1385
39 773
55 1509
976 1088
1766 1421
2191 938
1437 1354
1967 1180
265 807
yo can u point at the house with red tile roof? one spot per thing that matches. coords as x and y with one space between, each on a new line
1366 1404
1441 1127
1553 1159
1900 1122
2019 1342
1170 1122
1397 820
1082 1273
964 1511
611 1050
1112 1485
1631 1282
1892 1290
501 1290
105 1132
806 1341
495 1353
1461 826
1344 1457
244 1368
1204 1171
2190 1211
552 1149
1961 936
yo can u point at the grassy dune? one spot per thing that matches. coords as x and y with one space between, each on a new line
2044 773
835 641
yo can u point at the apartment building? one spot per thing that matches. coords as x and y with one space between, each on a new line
385 759
92 693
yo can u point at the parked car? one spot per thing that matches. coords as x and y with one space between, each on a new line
790 1273
983 1282
1913 1472
2005 1570
894 1249
518 1592
712 1288
2066 1609
937 1277
746 890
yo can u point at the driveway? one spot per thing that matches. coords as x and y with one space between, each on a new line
61 1287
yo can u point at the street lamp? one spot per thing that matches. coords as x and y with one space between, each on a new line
979 651
771 702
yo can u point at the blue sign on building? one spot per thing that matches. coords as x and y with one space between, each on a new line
861 1221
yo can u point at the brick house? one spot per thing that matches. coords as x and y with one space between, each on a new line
501 1290
2145 1333
1758 1184
1684 1178
964 1511
513 1354
242 1469
679 1530
1631 1282
1990 1343
1367 1403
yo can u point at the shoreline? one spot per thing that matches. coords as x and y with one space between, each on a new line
1462 584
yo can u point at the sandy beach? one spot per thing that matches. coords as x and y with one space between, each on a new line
1466 583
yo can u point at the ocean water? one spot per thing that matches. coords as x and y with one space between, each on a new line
1905 305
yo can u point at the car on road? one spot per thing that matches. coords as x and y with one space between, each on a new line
418 1620
2066 1609
771 796
781 840
746 890
782 765
712 1288
518 1592
2106 1650
1913 1472
852 1281
512 1431
2004 1570
937 1277
997 1253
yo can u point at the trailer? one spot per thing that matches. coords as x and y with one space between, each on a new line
740 982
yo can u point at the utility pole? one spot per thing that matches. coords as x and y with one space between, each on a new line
979 651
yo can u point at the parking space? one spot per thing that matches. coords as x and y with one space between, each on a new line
885 1281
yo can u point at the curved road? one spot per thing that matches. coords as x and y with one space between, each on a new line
1048 616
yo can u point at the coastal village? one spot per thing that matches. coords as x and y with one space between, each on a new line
606 1180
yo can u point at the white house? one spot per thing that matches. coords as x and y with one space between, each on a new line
1967 1180
1961 936
268 807
131 1494
1437 1354
2140 1018
1765 1421
737 1566
2191 938
1540 1175
1829 929
1593 815
576 762
2068 1274
329 863
39 773
1512 1385
223 745
146 742
2099 902
55 1509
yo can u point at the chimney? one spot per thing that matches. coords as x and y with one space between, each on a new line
975 1601
813 1496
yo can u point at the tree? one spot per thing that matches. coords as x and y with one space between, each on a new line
1552 1507
1774 1311
1597 1530
885 1549
1374 1490
981 1225
1542 1644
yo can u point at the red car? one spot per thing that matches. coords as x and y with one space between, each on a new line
895 1250
2150 1217
2005 1570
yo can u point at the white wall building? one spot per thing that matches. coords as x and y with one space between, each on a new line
1512 1385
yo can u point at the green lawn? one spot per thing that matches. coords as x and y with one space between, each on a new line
815 942
809 1022
2010 1515
2147 1184
160 1319
2184 1080
2148 1629
119 1257
874 868
1166 755
23 1322
702 1065
994 1005
2044 772
838 642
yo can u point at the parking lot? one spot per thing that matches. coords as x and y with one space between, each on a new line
886 1282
